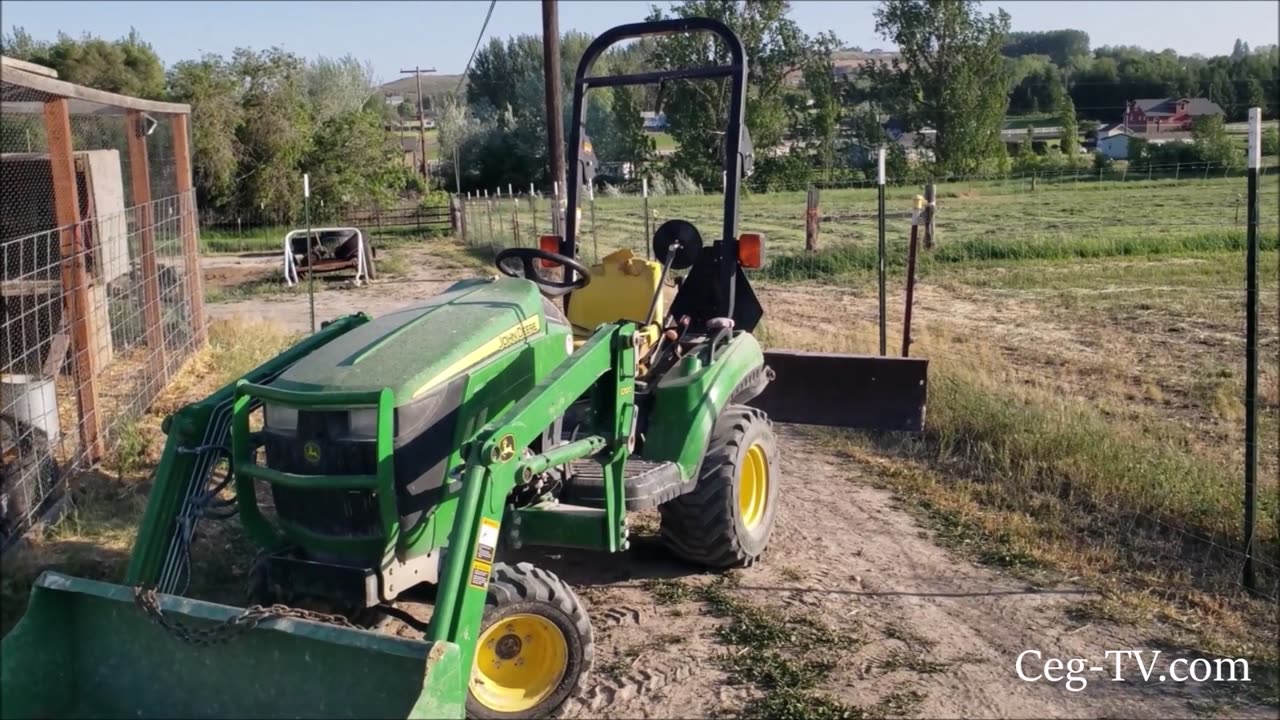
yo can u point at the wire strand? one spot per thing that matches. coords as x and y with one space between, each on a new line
479 38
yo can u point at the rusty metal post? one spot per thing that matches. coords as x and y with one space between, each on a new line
190 239
140 186
75 275
916 218
515 220
930 215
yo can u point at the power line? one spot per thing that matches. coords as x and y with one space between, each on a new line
479 38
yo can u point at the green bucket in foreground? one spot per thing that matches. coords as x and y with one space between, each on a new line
84 649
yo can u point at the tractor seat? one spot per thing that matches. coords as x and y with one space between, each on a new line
622 286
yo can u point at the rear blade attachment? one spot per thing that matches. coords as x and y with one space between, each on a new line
866 392
85 649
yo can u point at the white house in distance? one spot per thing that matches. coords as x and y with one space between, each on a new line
1113 141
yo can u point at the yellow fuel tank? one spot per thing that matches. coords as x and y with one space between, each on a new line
622 286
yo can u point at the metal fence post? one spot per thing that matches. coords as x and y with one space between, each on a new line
880 249
1251 349
648 229
75 276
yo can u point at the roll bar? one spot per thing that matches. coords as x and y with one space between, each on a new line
736 70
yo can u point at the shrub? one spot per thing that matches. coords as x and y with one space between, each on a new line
684 185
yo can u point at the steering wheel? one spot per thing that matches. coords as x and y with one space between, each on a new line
551 288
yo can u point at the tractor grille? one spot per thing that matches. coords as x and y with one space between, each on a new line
340 513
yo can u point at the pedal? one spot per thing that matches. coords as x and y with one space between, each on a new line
646 484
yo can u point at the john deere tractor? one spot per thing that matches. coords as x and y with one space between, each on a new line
413 451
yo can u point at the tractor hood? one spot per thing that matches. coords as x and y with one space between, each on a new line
417 348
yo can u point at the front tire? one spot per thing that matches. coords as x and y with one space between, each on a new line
726 521
534 649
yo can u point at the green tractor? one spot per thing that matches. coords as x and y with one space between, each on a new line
412 451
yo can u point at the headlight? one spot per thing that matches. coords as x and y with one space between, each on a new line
363 423
280 417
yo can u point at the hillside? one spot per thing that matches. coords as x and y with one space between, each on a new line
432 84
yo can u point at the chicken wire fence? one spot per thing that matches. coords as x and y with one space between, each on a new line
99 284
1085 331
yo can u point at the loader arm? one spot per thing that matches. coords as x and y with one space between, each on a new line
496 461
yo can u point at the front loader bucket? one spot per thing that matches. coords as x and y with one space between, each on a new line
84 649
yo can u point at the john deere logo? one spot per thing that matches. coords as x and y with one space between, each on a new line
505 449
311 452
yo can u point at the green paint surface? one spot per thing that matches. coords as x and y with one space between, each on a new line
405 349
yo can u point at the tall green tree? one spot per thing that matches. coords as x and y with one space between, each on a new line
1060 46
337 86
127 65
949 76
212 88
697 110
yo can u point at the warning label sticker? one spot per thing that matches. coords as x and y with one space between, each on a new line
480 572
487 545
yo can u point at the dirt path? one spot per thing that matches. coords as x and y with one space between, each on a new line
426 275
926 622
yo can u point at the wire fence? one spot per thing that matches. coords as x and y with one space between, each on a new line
265 232
1085 334
100 280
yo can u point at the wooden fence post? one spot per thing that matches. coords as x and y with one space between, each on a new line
140 184
811 221
75 276
190 240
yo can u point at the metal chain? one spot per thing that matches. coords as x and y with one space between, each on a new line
248 619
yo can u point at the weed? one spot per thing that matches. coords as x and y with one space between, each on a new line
786 656
669 592
393 265
792 574
131 448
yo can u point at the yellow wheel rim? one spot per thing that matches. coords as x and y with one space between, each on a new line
520 660
753 487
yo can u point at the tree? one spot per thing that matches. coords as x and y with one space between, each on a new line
1212 143
1240 50
1254 95
212 88
127 65
1066 110
1061 46
949 76
697 110
337 86
350 163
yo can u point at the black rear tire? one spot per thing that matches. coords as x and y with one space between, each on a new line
521 591
712 525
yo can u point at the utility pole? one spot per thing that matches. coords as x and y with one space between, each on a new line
422 120
555 120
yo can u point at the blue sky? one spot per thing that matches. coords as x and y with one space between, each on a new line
393 35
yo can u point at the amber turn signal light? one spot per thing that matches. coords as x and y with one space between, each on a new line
549 243
751 250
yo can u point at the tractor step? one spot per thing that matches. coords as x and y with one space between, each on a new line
648 484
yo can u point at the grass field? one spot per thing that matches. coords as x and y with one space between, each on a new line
980 218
